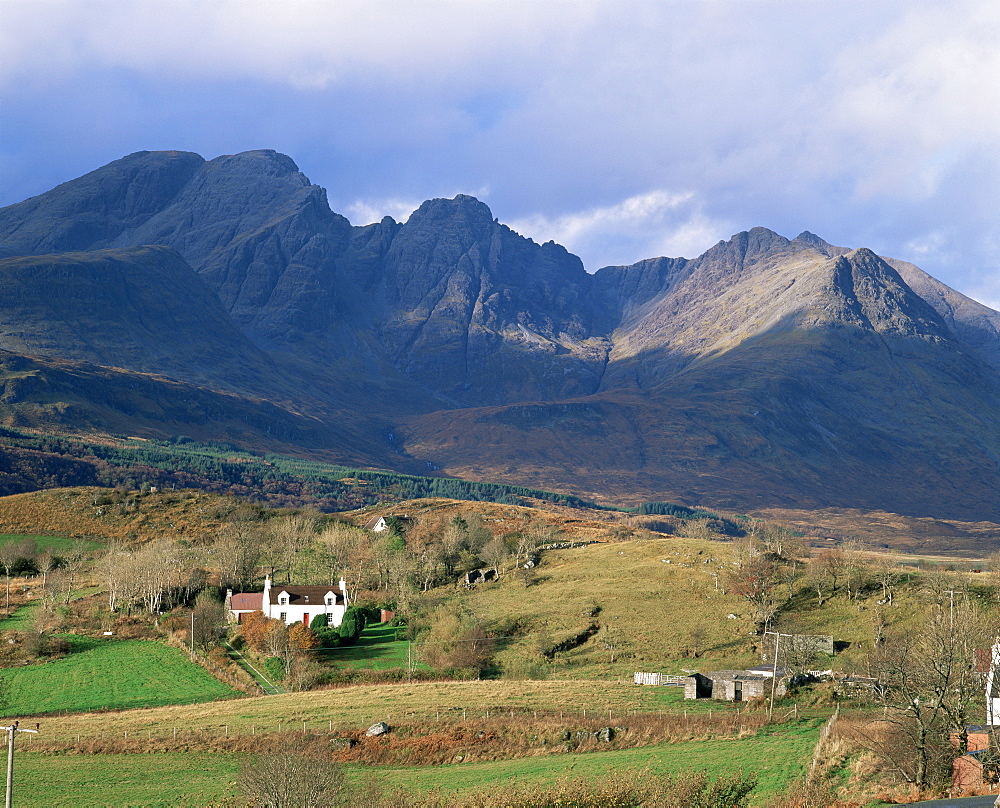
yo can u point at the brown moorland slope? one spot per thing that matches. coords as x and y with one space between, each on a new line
890 531
103 514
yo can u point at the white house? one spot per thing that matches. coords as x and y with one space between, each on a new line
377 524
380 524
291 603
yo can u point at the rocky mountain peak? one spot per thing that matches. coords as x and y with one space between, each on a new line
95 209
266 161
462 209
869 293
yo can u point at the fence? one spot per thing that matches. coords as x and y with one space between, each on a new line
664 679
824 733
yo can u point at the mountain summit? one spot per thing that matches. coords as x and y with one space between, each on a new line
765 372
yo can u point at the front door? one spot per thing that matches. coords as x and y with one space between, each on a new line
305 619
737 690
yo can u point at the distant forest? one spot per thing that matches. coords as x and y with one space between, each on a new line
29 461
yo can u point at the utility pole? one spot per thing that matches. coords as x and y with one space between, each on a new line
774 671
11 730
951 608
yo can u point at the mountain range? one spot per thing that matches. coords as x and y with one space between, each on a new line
165 295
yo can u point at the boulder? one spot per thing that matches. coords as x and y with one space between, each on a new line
380 728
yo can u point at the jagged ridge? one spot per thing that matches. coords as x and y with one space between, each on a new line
766 371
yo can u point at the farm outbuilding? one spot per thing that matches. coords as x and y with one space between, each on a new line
732 686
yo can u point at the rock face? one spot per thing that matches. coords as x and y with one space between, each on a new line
140 308
765 372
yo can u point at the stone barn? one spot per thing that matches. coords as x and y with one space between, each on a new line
732 686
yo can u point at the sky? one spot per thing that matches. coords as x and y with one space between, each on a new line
622 129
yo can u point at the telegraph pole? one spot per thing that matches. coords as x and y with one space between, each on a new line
774 671
951 608
11 731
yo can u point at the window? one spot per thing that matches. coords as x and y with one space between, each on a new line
283 600
329 601
329 619
283 617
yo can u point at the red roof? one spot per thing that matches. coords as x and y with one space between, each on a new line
247 601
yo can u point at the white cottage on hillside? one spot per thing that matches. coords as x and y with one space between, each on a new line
291 603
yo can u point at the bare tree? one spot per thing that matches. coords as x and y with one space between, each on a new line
832 563
237 553
72 563
756 582
496 553
456 641
9 555
819 580
856 570
299 775
929 687
290 536
208 620
612 639
45 562
119 575
886 575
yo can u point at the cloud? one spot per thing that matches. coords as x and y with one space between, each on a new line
362 211
650 224
306 44
871 124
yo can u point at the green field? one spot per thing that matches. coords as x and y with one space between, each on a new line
776 757
189 779
377 647
21 618
57 544
110 674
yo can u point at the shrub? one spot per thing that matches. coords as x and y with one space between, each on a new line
328 637
274 668
352 625
300 774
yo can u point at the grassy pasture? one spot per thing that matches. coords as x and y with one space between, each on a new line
657 601
110 674
360 706
777 757
187 779
57 544
21 618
